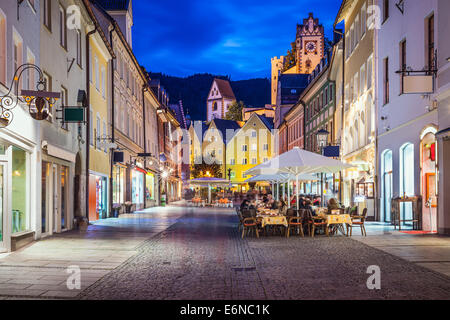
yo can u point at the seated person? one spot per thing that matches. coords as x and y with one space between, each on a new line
245 205
332 205
252 205
308 206
274 205
283 207
316 202
293 201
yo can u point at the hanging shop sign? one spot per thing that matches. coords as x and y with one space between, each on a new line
73 114
40 102
419 81
331 151
118 156
418 84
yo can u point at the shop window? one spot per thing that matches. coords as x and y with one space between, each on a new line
386 184
406 178
19 190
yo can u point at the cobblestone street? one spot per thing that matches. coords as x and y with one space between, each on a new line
203 257
193 253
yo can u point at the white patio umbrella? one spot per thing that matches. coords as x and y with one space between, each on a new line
296 162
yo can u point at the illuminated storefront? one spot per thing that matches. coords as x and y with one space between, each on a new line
118 184
17 197
137 187
428 175
150 189
98 197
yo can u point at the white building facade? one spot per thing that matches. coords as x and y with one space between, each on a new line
63 54
442 97
407 123
20 150
220 97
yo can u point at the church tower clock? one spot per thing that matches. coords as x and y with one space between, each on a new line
310 45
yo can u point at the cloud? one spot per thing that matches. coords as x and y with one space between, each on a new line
232 37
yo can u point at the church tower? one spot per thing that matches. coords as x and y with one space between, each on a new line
310 44
277 66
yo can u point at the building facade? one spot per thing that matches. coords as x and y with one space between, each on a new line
63 144
127 122
100 56
359 130
220 97
443 104
20 141
408 123
250 146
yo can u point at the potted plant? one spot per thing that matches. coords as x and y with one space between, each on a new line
116 209
128 206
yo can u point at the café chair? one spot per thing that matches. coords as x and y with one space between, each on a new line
296 223
319 223
249 223
358 221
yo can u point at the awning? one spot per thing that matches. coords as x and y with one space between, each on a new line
140 170
58 152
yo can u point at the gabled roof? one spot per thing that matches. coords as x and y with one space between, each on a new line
344 10
114 5
225 88
223 125
179 114
268 122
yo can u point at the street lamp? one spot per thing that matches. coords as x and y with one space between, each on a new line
322 138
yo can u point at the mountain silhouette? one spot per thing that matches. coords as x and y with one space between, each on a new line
193 91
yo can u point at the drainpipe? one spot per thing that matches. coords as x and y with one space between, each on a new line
144 89
113 125
88 120
342 102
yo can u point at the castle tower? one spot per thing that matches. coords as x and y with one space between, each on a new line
310 44
277 66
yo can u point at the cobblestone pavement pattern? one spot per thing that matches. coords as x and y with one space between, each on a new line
201 256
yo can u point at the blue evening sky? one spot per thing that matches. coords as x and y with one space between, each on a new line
226 37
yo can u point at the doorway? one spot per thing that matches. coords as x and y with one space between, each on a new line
387 184
54 215
3 215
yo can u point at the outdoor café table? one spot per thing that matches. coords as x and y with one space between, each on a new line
269 217
336 219
267 220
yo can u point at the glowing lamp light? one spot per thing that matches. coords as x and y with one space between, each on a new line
322 137
165 174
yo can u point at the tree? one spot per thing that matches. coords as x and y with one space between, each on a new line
328 44
289 60
203 169
235 111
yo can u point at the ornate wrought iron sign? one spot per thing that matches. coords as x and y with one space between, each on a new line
39 102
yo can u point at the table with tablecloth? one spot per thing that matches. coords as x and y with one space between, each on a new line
267 220
338 220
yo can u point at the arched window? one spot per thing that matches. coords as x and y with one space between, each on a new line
386 184
406 178
214 106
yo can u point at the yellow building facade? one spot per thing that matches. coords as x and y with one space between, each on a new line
249 147
99 155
